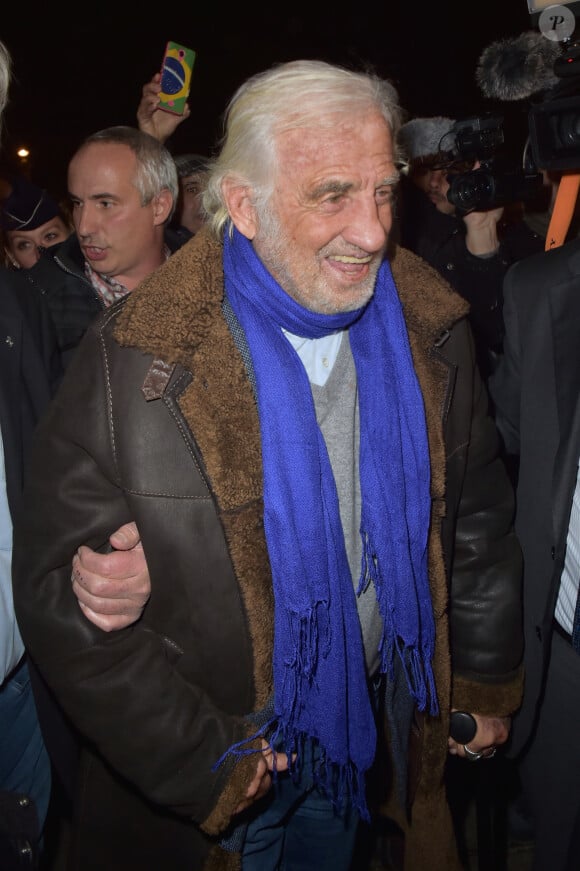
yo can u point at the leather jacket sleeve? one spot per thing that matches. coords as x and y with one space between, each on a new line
483 554
127 692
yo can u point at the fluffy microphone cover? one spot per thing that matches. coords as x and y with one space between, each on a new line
514 69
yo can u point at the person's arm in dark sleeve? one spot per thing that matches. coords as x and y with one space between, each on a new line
486 570
121 689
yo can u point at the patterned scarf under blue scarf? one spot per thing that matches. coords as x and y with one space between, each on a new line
320 685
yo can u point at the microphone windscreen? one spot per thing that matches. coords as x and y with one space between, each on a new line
515 69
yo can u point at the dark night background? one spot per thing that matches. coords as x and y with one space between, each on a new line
79 69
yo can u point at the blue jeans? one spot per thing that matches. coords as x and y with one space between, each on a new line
298 830
24 762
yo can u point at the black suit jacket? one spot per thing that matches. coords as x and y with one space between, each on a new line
29 374
537 394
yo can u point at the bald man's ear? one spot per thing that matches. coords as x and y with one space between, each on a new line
241 209
162 205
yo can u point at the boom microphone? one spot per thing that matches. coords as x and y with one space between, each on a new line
518 68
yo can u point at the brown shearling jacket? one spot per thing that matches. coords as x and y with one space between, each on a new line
156 422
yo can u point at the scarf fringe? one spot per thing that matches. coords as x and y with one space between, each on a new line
242 748
344 785
416 660
311 638
307 631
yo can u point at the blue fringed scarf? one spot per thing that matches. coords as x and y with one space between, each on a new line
320 686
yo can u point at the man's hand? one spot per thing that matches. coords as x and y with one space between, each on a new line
481 231
491 733
112 588
153 120
263 778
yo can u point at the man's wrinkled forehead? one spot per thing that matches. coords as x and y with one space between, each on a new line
320 142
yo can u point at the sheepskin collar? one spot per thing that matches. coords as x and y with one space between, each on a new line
170 312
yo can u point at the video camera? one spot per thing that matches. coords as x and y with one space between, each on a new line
547 74
497 181
554 122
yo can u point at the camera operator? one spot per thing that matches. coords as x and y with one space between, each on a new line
472 251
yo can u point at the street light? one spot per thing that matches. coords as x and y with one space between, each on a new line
23 155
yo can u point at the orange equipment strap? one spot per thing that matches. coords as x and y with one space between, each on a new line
563 210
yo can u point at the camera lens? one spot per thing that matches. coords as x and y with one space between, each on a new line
554 127
472 190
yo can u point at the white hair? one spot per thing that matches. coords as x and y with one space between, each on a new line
290 95
5 76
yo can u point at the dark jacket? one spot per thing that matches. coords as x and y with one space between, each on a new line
536 391
60 277
156 422
29 373
30 370
440 240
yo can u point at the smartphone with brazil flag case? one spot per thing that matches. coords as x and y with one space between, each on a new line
176 71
